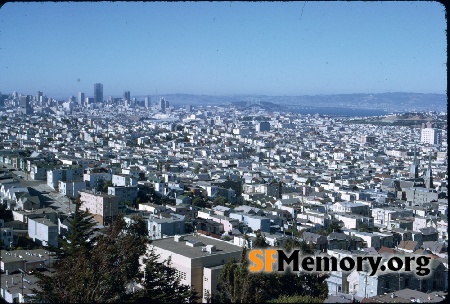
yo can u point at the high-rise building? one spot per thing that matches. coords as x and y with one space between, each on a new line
88 101
162 104
263 126
39 95
81 98
367 139
431 136
147 102
126 96
98 92
24 105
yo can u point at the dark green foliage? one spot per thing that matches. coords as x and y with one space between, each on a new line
81 233
297 299
293 243
333 227
161 285
188 226
104 187
260 241
5 214
220 201
238 285
235 282
198 202
88 273
26 242
100 269
364 228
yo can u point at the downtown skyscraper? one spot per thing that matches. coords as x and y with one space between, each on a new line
81 99
98 92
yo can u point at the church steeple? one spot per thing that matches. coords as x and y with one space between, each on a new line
429 174
414 169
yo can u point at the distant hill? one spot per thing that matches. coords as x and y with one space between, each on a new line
391 102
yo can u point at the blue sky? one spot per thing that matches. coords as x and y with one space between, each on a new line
223 48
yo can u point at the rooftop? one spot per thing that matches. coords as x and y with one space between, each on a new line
181 248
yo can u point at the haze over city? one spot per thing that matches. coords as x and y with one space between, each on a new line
223 48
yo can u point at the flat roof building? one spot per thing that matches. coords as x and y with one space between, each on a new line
198 259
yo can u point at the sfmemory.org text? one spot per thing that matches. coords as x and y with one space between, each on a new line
269 260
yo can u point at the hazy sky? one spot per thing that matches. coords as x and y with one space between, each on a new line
223 48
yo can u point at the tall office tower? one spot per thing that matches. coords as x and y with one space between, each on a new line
88 101
414 169
263 126
81 98
147 102
24 101
162 104
126 96
188 108
98 92
429 175
39 95
432 136
24 105
367 139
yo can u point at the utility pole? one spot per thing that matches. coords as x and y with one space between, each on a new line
365 285
22 272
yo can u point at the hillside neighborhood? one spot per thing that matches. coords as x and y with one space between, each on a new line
208 179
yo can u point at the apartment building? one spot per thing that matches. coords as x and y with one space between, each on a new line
104 207
198 260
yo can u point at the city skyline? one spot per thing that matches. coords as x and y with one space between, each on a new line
211 48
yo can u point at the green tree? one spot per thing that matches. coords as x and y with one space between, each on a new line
220 200
81 233
290 244
260 241
196 169
364 228
94 270
235 284
5 214
296 299
104 187
333 227
161 285
188 226
198 202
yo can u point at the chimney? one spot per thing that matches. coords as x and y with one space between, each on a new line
178 238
